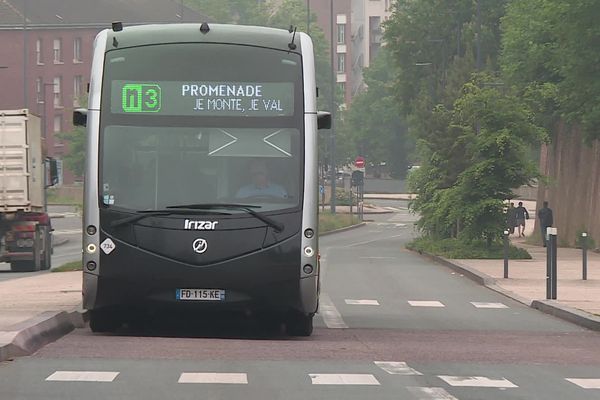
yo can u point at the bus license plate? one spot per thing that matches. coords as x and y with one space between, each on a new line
200 294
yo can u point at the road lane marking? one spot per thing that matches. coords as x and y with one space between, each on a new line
331 316
477 381
585 383
418 303
430 393
343 379
378 258
362 302
213 377
82 376
371 241
488 305
397 368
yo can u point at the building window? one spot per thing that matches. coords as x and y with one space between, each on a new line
39 90
341 33
341 63
39 54
57 92
57 123
77 84
57 51
341 89
77 50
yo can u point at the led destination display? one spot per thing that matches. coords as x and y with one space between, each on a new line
265 99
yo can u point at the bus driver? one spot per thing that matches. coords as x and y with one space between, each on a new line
260 186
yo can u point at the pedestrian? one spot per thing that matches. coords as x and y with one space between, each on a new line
511 218
546 220
521 214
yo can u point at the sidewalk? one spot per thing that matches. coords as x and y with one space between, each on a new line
577 300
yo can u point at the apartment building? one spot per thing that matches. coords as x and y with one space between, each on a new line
357 37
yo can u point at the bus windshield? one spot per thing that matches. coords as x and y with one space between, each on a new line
201 123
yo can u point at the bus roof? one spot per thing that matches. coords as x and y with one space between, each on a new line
190 33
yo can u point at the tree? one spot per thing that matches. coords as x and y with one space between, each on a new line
75 158
373 126
551 53
489 134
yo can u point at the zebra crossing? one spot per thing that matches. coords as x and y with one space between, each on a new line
377 374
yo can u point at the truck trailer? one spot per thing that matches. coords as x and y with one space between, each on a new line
25 173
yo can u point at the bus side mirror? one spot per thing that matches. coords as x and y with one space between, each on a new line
323 120
80 117
53 169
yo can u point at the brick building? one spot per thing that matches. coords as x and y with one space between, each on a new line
46 51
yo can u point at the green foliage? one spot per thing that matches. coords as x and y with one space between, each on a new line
329 222
70 266
551 53
459 249
477 153
373 126
76 143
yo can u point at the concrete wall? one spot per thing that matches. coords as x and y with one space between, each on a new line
573 190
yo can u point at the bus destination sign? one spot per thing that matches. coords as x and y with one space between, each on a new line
267 99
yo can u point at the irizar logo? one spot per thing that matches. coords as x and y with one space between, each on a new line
199 225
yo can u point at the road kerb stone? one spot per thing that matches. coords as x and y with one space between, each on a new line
29 336
347 228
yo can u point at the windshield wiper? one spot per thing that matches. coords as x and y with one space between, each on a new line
154 213
233 206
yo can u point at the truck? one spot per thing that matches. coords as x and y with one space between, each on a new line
25 173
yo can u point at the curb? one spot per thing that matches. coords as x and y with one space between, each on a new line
342 229
57 243
27 337
578 317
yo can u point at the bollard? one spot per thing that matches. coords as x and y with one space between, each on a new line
553 237
548 265
584 255
506 254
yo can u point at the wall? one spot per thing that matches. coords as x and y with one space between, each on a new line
573 190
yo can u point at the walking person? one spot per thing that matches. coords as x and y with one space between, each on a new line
546 220
521 214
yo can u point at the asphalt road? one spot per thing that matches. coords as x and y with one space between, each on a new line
67 236
391 326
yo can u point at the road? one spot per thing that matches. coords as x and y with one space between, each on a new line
67 233
392 325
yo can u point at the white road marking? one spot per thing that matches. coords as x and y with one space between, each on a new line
371 241
418 303
362 302
430 393
397 225
331 316
585 383
213 377
343 379
477 381
82 376
397 368
488 305
378 258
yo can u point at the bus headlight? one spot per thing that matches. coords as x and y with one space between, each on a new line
309 233
308 251
91 248
308 269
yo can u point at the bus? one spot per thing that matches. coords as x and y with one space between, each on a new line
201 186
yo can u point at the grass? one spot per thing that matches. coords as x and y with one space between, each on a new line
70 266
53 197
456 249
329 222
